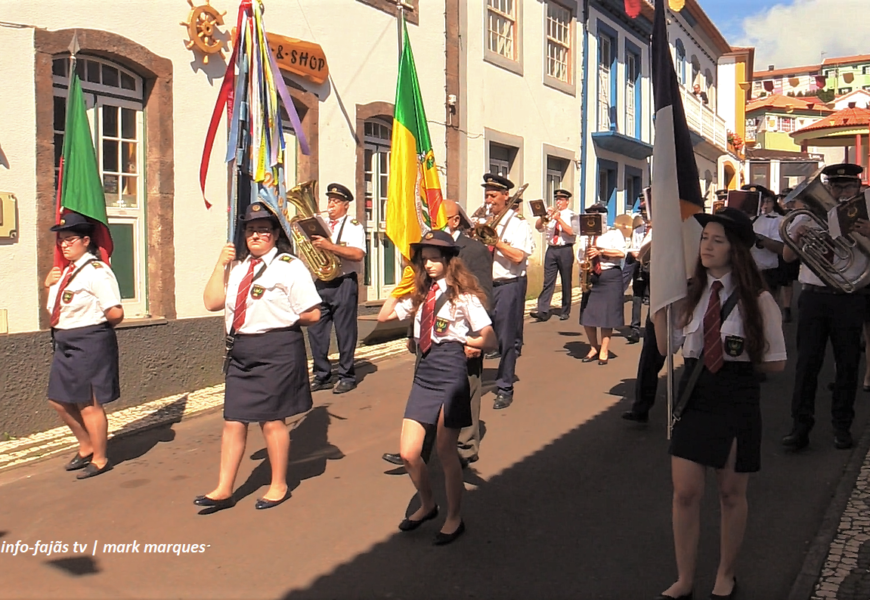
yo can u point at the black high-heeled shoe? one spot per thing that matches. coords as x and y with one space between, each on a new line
409 525
730 596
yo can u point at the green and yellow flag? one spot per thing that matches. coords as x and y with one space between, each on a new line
414 194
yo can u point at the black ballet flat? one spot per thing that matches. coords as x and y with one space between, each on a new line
866 388
602 361
263 503
214 503
79 462
92 470
666 597
442 539
730 596
589 359
409 525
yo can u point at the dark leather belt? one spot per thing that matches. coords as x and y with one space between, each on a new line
500 282
823 289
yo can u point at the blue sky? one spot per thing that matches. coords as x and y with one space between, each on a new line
789 33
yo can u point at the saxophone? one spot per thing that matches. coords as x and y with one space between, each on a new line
323 265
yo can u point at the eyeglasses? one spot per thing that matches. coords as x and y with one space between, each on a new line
68 241
261 231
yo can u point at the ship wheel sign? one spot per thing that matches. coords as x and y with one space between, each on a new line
202 26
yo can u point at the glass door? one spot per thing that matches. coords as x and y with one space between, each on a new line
383 262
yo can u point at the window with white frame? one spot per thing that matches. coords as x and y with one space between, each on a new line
556 170
114 97
605 59
681 61
501 159
502 27
558 42
631 78
785 124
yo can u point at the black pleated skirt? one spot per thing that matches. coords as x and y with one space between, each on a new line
602 306
441 379
85 365
267 378
723 407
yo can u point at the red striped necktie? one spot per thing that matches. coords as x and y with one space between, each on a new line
242 295
714 356
427 320
556 231
55 312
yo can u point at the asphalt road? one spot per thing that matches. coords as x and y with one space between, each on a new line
567 500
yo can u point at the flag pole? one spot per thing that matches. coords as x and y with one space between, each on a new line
670 364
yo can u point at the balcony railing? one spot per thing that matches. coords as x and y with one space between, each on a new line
704 121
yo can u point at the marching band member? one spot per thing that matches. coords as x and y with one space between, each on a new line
478 259
559 259
510 256
85 305
449 316
340 296
638 275
788 271
826 312
730 326
768 243
602 305
267 295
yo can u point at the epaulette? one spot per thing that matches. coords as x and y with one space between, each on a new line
286 258
520 217
97 264
354 222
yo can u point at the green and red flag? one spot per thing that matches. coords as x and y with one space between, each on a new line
414 204
79 188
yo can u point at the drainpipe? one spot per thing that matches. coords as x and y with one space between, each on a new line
584 107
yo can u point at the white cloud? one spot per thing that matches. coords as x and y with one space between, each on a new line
797 34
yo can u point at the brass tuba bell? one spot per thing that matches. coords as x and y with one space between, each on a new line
843 263
323 265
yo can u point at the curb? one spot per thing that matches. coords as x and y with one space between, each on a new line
817 553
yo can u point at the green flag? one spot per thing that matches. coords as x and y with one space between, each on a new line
81 189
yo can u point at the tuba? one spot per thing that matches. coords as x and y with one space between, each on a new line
843 263
322 264
486 232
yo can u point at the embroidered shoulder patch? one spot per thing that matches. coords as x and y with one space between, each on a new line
97 265
354 222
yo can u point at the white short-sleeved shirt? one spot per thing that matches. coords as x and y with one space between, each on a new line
88 296
733 333
638 234
453 322
284 291
611 240
564 239
768 226
347 231
515 231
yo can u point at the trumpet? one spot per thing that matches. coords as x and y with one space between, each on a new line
486 232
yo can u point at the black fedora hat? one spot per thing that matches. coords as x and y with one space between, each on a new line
737 221
437 239
257 210
72 220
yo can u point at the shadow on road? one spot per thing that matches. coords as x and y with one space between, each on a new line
123 446
75 565
309 451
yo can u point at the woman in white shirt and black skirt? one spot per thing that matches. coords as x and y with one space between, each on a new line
85 305
602 306
719 423
267 295
450 315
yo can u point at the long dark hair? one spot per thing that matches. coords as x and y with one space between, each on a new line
459 279
748 285
282 242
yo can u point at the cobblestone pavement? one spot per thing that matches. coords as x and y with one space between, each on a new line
846 573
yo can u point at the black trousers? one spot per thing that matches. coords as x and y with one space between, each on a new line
840 318
340 299
507 318
524 283
559 260
651 362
